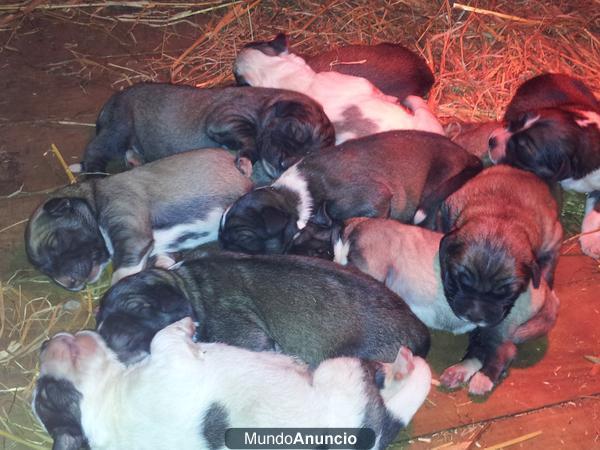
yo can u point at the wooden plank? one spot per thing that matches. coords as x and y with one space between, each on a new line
547 371
571 425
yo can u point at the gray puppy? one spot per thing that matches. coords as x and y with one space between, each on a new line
406 259
156 209
306 307
149 121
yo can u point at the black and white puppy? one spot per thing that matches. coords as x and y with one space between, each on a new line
186 395
392 68
552 128
406 259
149 121
353 104
404 175
503 232
305 307
133 217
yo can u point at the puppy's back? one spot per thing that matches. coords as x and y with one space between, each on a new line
549 90
392 68
313 308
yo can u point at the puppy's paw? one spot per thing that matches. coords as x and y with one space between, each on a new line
414 102
590 244
480 384
404 364
164 262
454 376
460 373
133 159
184 327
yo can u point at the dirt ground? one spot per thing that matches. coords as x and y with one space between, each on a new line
54 77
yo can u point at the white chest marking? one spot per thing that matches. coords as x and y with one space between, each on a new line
187 235
589 183
295 182
107 241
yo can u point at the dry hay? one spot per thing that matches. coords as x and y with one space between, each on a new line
478 57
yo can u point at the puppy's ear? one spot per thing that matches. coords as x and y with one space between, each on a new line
280 43
321 217
58 207
275 220
536 274
450 246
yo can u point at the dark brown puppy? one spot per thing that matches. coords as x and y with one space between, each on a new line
306 307
404 175
503 232
394 69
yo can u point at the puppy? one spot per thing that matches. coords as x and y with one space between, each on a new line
404 175
503 232
133 217
392 68
301 306
552 128
354 105
150 121
187 395
406 259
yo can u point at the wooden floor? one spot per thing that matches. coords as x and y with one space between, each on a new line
551 395
552 389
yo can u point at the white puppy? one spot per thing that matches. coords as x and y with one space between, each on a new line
353 104
185 395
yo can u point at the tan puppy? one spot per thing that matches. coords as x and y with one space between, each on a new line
406 259
503 232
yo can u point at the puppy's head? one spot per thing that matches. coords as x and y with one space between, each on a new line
56 403
63 240
256 57
547 142
136 308
482 278
291 129
70 365
262 221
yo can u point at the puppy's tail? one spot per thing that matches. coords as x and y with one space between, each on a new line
431 202
407 383
540 324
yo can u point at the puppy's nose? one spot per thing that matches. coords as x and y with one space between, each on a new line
492 142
